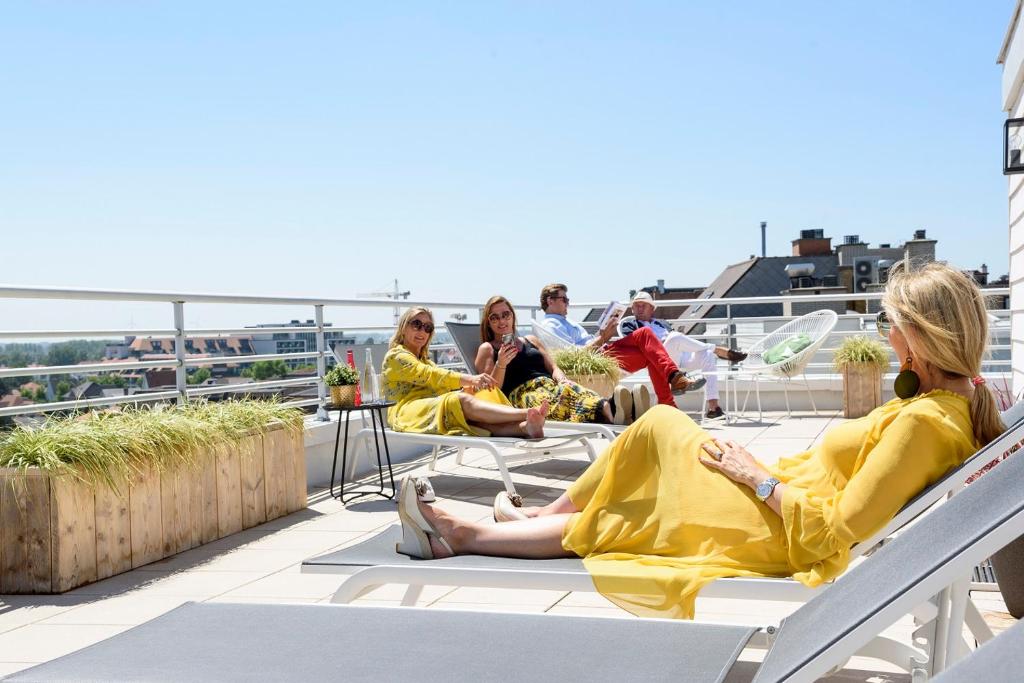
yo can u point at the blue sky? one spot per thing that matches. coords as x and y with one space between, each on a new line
325 148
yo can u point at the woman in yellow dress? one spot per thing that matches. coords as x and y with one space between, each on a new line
427 400
667 508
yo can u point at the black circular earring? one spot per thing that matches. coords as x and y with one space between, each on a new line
907 382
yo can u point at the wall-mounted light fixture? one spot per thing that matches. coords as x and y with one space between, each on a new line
1013 146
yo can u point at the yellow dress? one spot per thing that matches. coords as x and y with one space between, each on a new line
426 396
655 524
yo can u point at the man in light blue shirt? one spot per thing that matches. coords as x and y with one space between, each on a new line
642 349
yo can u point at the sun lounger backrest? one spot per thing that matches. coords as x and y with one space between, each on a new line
940 549
467 340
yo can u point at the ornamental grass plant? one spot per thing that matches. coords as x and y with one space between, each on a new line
107 448
580 361
860 350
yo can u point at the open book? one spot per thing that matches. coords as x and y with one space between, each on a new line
613 310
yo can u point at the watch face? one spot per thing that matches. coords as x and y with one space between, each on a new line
765 488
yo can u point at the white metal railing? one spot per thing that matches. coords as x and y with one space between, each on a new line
726 327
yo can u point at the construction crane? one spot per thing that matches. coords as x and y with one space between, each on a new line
395 294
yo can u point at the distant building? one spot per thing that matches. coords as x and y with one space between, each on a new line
303 341
813 267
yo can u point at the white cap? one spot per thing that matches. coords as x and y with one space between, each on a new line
645 297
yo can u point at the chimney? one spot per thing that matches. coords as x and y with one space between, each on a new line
764 246
919 250
812 243
661 286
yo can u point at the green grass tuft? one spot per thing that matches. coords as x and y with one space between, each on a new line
109 448
859 349
579 360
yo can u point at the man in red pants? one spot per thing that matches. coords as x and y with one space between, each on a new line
641 349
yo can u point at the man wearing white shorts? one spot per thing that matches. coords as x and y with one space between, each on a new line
687 352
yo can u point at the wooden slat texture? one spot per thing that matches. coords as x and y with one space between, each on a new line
113 531
203 500
24 533
297 445
280 475
72 534
254 500
175 502
146 523
229 491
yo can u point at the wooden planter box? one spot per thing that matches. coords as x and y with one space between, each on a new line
57 533
862 389
602 385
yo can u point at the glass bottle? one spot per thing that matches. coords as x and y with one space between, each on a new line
368 390
350 359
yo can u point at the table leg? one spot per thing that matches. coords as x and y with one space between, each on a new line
334 463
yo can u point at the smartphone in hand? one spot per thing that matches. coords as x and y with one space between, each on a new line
507 338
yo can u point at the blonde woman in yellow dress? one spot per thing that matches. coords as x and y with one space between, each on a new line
667 508
427 400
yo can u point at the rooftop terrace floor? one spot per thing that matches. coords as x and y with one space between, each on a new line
262 564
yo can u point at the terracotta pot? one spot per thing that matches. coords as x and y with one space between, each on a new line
344 395
862 389
1009 566
602 385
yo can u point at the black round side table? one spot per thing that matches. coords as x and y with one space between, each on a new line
378 420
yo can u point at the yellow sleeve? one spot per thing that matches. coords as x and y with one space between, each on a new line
405 367
913 451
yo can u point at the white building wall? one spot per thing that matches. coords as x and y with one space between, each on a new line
1012 58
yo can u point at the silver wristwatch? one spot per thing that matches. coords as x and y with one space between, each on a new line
765 488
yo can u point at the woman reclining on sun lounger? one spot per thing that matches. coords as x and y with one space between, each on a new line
427 400
669 508
527 375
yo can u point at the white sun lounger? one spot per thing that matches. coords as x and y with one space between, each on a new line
244 642
373 563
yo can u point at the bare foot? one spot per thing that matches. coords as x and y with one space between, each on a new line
535 420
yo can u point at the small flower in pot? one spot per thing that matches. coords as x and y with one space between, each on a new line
343 381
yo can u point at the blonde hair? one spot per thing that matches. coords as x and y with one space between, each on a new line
549 291
486 333
941 312
409 314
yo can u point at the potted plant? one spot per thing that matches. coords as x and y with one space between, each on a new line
588 367
343 381
861 361
88 496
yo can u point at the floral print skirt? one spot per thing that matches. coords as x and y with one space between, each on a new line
568 402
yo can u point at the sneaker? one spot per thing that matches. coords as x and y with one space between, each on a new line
622 406
424 490
506 507
641 400
715 414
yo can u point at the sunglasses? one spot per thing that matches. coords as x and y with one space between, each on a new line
497 317
883 323
421 326
557 297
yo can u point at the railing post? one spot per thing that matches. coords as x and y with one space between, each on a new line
180 375
321 364
730 327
